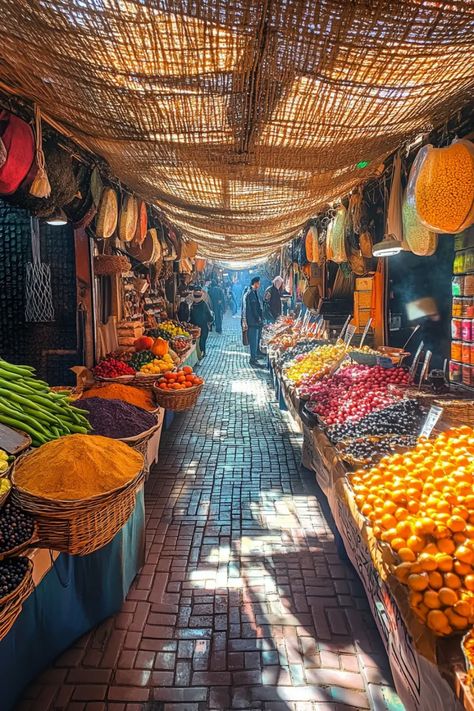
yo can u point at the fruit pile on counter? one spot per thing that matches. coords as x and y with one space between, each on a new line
421 504
307 369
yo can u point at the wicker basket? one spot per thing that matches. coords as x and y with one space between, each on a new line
140 442
10 606
124 379
146 382
79 527
22 546
178 400
456 412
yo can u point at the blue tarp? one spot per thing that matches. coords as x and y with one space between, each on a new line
74 596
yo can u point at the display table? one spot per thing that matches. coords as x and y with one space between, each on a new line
72 595
428 671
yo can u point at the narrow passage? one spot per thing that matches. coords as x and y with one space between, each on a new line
244 602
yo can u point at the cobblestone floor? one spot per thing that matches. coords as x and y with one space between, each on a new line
243 602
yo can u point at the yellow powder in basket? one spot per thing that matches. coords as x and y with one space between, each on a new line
77 467
117 391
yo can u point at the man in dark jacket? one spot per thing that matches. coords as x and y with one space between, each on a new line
254 318
272 300
201 315
217 297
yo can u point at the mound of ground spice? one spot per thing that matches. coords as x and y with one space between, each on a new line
77 467
117 391
116 418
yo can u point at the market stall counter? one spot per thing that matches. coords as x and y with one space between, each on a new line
72 594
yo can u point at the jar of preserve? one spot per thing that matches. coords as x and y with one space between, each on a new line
468 285
468 375
457 307
456 329
457 286
466 329
468 307
466 353
456 350
455 372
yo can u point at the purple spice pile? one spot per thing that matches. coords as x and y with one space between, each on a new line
116 418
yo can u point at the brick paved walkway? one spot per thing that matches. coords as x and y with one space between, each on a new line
243 602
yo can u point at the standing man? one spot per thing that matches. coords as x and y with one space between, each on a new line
272 300
201 315
254 319
217 297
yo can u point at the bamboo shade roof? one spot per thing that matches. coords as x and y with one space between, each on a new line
240 119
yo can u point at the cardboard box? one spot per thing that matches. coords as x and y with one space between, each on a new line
362 300
364 283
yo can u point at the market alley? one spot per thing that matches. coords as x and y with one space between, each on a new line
244 602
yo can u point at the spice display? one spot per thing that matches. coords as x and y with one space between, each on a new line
116 418
112 368
404 417
29 405
16 527
444 188
180 380
422 504
77 467
12 572
419 238
352 393
116 391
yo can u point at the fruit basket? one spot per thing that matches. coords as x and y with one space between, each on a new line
5 487
79 527
145 381
12 603
178 400
119 379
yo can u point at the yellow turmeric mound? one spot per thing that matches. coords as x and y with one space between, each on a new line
77 467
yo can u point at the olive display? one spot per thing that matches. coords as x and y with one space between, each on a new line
369 450
16 527
404 418
12 572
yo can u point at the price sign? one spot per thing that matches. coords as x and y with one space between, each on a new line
424 370
431 419
416 359
346 323
350 330
366 330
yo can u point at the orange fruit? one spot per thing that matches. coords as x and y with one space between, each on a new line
456 621
403 528
402 572
464 554
447 596
398 543
416 543
427 562
437 620
462 569
446 545
424 525
463 608
445 562
469 582
187 369
417 581
431 600
451 580
456 523
406 555
414 598
435 580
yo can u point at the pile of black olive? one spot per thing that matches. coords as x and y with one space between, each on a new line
371 450
12 572
16 527
403 418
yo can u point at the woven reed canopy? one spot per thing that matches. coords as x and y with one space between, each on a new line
240 118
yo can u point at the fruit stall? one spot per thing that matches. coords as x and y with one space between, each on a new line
393 456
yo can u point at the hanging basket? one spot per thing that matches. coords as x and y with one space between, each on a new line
83 526
178 400
107 215
108 264
128 218
11 605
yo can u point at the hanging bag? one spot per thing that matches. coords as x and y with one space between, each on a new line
38 294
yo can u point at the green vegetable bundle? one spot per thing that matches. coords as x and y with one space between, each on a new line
28 404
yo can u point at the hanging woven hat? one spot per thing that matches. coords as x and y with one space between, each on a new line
156 255
312 245
18 151
107 215
97 186
329 249
128 218
338 235
147 251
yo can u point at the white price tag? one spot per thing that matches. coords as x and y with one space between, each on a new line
349 334
416 359
431 419
346 323
366 330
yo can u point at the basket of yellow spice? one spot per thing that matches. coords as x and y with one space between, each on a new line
81 490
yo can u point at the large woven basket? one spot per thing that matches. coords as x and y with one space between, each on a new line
140 442
178 400
10 606
79 527
147 382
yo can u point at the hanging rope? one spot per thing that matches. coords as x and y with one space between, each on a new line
40 186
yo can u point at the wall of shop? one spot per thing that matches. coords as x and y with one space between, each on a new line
49 347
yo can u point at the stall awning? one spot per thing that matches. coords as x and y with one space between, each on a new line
240 119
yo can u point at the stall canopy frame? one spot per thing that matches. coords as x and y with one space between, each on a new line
240 120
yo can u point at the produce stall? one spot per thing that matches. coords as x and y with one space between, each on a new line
406 527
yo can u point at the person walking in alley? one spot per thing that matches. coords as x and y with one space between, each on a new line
217 297
254 320
201 315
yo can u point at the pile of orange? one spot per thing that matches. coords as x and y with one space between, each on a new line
180 379
422 504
